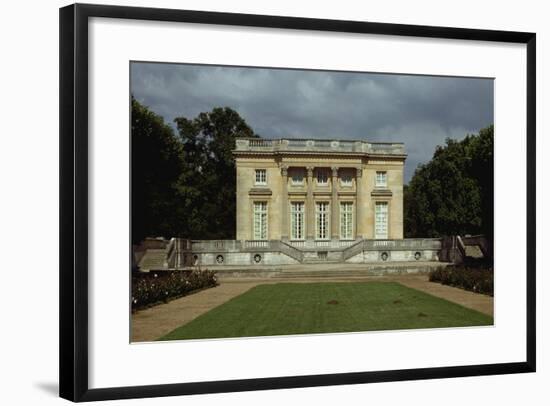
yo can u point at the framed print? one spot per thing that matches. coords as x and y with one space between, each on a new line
255 202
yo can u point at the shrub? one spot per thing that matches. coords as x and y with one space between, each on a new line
478 280
160 287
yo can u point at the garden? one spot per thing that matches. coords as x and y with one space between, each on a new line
328 307
152 288
474 279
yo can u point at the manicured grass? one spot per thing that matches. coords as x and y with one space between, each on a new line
302 308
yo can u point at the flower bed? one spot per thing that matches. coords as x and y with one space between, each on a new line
153 288
478 280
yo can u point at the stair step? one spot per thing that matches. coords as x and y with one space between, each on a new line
153 259
473 251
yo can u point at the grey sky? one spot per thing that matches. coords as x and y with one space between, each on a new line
420 111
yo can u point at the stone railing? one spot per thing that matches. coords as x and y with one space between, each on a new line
182 252
177 253
257 244
328 244
353 250
215 245
460 246
333 146
408 243
388 148
298 244
263 143
291 251
482 242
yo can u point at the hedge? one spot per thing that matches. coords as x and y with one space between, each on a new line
153 288
478 280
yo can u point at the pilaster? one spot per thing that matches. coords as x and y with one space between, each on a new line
284 203
334 233
310 217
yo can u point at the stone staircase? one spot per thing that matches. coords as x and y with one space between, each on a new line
353 271
153 259
473 251
353 250
315 259
291 251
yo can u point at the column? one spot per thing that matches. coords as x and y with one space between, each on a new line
310 206
284 203
359 205
334 209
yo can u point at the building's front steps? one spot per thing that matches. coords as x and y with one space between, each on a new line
326 271
270 255
265 253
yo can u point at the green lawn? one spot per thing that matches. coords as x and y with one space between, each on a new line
302 308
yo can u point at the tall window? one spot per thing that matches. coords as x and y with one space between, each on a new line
322 177
322 218
260 220
381 179
297 176
261 177
297 220
346 178
346 220
381 220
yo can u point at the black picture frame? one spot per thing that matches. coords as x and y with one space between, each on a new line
73 253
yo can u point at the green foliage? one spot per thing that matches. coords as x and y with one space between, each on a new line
479 280
206 187
184 185
154 288
156 165
453 193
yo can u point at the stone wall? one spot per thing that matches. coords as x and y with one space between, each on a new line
280 157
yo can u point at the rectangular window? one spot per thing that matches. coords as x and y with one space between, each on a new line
261 177
322 177
346 220
260 220
297 220
381 220
381 179
346 178
322 218
297 176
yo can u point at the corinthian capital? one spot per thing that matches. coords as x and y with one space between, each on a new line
359 172
284 170
310 171
334 171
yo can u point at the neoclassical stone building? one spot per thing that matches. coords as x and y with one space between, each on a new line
306 191
309 202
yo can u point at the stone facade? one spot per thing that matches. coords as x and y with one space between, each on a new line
310 202
183 254
324 178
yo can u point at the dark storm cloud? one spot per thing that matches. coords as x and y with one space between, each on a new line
420 111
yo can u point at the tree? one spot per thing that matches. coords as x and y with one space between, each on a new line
184 185
206 187
453 193
156 166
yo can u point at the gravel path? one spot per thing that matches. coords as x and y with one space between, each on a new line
150 324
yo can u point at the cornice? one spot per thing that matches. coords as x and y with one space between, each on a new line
282 154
